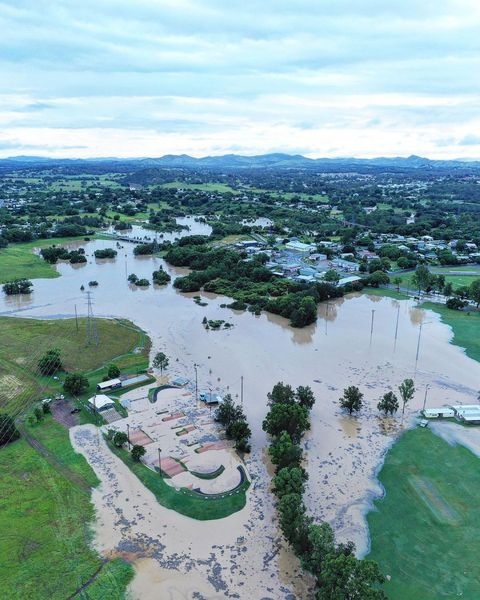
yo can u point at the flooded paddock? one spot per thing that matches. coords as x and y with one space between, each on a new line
352 343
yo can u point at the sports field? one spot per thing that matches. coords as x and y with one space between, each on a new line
426 530
457 276
465 326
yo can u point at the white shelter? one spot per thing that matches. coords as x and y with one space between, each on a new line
101 402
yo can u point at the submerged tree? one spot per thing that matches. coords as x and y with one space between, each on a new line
388 404
351 399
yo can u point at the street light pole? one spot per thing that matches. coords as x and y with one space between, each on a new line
396 326
128 435
241 390
425 399
160 461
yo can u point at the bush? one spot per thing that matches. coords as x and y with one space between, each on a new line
456 303
113 371
18 286
137 452
8 431
105 253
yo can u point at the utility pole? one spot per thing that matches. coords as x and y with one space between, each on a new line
241 390
195 366
92 334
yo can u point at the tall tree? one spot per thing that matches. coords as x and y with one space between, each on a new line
407 391
160 362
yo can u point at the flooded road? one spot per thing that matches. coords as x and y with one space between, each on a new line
341 349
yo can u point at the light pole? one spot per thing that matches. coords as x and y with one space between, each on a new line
128 435
241 390
425 399
396 327
160 461
418 341
195 366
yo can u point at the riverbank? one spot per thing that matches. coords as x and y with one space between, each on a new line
424 530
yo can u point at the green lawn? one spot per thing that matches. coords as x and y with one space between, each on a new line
184 501
426 530
45 524
24 341
465 326
55 438
381 291
19 261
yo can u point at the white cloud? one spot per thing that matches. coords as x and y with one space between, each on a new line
203 76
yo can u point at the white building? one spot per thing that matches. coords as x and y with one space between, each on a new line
100 402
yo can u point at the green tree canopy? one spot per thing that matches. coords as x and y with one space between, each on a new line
351 399
388 404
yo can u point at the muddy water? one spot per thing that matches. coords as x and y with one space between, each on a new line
341 349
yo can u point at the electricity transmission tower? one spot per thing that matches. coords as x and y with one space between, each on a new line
92 334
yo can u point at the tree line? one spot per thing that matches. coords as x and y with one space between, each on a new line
338 574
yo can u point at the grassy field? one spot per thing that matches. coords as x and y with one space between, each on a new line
184 501
24 341
425 532
206 187
19 261
465 326
389 293
455 280
45 530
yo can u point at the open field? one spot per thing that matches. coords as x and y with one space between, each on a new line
425 532
465 326
19 261
206 187
456 279
24 341
45 524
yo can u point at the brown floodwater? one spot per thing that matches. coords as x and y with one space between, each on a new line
352 343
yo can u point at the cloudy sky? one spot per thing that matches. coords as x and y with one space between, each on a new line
316 77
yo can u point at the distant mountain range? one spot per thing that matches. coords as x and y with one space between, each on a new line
236 161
